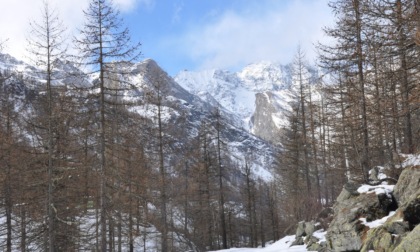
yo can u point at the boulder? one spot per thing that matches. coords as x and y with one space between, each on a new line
346 230
408 185
310 239
298 241
311 227
317 246
300 230
407 195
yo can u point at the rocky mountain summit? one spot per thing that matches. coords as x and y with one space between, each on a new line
370 217
259 95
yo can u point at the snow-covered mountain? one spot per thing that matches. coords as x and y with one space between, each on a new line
258 96
178 103
254 101
196 109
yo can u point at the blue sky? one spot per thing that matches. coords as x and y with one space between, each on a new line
194 34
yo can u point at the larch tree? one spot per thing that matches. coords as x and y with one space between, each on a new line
349 47
104 40
156 97
301 79
217 117
47 47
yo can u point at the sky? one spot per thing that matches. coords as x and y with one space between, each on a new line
192 34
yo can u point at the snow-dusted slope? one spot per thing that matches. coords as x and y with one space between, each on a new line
199 108
65 73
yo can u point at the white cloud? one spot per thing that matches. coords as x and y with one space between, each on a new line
127 5
238 38
16 15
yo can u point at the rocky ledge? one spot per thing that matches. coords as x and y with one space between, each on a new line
370 218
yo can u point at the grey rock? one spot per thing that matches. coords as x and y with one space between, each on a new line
346 231
309 240
344 195
373 174
298 241
408 185
411 242
352 187
378 239
262 119
314 247
300 230
310 228
397 227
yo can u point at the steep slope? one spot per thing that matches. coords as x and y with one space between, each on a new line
197 109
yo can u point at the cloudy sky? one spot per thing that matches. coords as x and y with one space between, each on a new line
192 34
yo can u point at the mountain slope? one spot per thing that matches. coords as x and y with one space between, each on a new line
196 110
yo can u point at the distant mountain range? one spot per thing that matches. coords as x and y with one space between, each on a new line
253 101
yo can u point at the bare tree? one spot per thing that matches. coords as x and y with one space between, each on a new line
220 170
47 46
102 41
350 49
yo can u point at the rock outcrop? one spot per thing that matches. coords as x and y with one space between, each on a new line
306 233
347 230
367 218
262 119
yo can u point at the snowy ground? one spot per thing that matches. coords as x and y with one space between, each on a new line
282 245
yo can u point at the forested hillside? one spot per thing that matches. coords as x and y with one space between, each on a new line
363 112
101 152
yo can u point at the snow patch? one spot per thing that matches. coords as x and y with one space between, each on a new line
378 222
412 160
281 245
379 189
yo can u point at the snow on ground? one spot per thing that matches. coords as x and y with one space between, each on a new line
282 245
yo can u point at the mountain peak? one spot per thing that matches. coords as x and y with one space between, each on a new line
264 75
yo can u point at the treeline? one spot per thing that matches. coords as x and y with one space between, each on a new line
100 166
362 112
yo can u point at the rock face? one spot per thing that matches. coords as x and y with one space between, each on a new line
407 194
408 185
263 124
367 218
261 95
386 237
346 229
399 231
